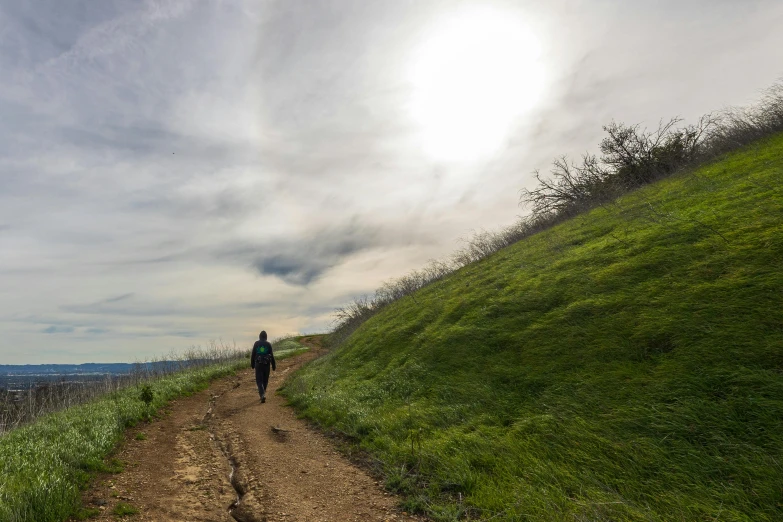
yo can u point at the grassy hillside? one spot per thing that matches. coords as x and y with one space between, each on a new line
625 365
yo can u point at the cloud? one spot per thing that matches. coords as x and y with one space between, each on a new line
172 171
182 333
131 305
58 329
307 257
97 331
122 297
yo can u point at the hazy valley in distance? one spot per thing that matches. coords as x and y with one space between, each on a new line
23 376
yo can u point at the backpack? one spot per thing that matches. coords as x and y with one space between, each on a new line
263 356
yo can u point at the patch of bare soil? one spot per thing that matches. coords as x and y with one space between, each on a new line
221 455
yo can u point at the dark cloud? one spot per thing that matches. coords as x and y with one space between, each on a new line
132 305
302 261
181 333
296 268
133 309
153 260
97 331
122 297
307 257
57 329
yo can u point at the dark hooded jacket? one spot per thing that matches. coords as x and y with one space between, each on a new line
262 348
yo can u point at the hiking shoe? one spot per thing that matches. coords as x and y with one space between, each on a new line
263 399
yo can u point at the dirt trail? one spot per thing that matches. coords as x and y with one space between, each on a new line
220 455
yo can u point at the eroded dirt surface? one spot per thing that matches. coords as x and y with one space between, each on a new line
223 440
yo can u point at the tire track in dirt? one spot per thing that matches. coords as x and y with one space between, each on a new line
223 456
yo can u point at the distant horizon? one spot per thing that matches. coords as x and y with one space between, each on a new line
145 361
87 363
90 368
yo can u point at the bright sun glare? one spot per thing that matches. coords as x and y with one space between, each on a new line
473 77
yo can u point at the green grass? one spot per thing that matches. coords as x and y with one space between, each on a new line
289 346
123 509
110 466
279 356
44 465
86 513
625 365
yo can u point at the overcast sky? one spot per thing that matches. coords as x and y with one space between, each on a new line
173 172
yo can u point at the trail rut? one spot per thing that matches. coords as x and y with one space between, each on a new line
221 455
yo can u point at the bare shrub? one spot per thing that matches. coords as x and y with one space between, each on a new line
632 156
738 127
570 186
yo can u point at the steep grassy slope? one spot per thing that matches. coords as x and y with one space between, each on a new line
626 365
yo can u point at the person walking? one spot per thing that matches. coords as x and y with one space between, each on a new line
261 359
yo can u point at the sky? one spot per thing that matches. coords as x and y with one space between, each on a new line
175 172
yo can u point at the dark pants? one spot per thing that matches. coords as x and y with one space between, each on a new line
262 378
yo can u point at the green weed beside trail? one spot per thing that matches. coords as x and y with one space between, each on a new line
624 365
288 346
43 465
